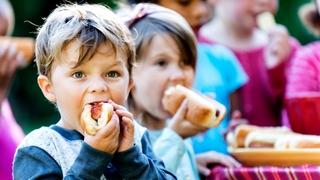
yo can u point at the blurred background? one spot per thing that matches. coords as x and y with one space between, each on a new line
31 109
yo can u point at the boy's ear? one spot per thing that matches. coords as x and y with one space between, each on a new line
46 88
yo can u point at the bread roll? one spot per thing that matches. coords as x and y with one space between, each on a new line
266 137
95 116
306 141
200 111
265 21
262 139
259 136
25 45
240 134
298 141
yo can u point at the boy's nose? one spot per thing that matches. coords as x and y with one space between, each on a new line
97 85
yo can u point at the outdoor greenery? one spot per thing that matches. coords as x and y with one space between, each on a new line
30 107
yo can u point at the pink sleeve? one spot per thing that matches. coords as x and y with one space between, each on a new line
11 136
8 123
303 74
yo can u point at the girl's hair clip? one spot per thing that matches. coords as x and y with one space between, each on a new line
142 13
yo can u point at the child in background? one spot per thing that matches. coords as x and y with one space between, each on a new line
218 75
305 70
264 56
196 12
11 133
166 56
85 55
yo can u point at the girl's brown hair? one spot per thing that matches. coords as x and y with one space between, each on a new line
309 15
150 20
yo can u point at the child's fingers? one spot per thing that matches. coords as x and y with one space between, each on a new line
214 157
127 134
112 127
230 162
180 114
204 170
127 125
124 113
116 106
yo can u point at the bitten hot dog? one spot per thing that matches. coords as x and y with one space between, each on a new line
200 111
95 116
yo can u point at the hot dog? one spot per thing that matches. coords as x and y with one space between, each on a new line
95 116
200 111
25 45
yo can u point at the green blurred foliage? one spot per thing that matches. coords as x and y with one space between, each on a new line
288 16
32 110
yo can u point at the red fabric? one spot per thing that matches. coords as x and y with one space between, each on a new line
262 97
304 113
305 172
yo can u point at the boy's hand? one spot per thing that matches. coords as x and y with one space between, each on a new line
278 48
182 126
126 139
205 159
107 138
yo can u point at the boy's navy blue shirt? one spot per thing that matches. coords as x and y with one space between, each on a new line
55 153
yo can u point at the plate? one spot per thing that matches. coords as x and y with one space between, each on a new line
274 157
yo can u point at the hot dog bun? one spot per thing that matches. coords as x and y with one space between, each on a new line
23 44
254 136
266 21
240 134
250 136
200 111
298 141
88 122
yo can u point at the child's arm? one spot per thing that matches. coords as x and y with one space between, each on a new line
277 75
141 163
33 163
170 147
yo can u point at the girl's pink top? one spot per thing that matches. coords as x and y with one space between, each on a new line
262 96
304 74
11 136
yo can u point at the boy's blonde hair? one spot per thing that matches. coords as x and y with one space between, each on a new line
92 25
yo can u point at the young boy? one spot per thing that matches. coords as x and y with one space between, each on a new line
84 55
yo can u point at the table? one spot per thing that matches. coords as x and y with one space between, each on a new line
305 172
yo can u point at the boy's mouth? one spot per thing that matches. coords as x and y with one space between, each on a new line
97 102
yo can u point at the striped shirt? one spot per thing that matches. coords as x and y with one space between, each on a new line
304 74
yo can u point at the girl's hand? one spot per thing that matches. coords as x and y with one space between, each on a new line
182 126
107 138
126 139
278 48
205 159
9 62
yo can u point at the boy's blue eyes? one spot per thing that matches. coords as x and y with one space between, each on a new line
111 74
78 75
